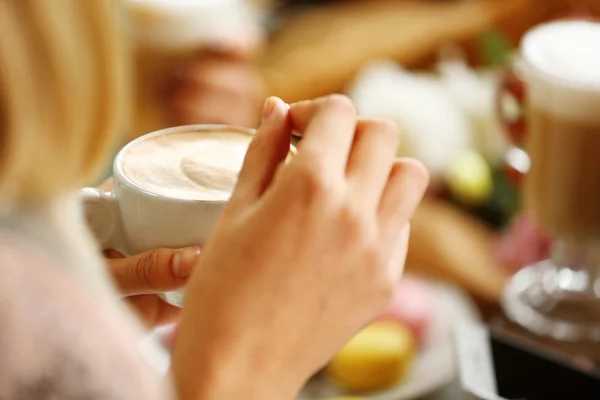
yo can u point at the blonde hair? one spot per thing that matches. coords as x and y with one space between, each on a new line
63 94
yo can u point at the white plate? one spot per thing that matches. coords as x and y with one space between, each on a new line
434 367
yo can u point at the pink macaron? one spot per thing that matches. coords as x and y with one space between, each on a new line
412 305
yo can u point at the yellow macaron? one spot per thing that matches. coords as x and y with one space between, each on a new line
378 357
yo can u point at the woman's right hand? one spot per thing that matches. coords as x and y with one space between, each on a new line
305 253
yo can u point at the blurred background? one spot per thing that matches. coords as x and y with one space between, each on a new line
433 66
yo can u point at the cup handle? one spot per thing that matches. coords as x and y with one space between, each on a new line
510 98
103 218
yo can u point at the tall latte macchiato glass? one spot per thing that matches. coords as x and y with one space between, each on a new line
169 189
559 63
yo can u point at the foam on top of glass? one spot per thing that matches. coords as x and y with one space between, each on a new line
567 50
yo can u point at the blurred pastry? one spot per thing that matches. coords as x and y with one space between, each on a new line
378 357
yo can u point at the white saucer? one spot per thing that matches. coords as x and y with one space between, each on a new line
434 367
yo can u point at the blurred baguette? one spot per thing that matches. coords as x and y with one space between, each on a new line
447 243
320 51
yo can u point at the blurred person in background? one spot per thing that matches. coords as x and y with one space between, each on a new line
194 63
334 219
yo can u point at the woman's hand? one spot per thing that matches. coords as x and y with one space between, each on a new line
304 255
139 278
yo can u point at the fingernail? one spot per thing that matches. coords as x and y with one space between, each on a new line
268 107
113 254
184 261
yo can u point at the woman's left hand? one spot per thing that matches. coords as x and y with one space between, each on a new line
140 278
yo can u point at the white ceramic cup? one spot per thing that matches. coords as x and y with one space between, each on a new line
132 219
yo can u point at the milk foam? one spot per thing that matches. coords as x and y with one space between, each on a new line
565 78
191 166
567 50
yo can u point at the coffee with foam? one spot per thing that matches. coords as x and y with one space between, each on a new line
170 189
561 63
194 165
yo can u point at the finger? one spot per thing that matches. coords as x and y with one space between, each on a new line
399 251
152 310
267 151
405 188
113 254
371 159
327 125
303 112
154 271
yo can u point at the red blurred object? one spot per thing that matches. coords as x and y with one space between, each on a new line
513 175
509 104
524 243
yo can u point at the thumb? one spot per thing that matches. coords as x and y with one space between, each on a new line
153 271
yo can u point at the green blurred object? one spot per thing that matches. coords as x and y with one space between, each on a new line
498 200
469 178
495 48
502 205
505 195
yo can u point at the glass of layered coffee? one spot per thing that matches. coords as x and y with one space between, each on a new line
559 63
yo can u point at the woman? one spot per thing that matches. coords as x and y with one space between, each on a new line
304 255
